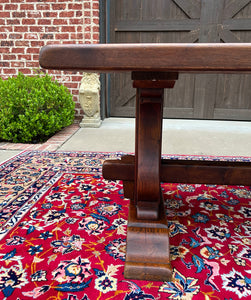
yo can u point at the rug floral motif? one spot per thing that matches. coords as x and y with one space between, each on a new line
63 234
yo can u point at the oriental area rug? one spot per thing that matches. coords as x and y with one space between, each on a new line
63 233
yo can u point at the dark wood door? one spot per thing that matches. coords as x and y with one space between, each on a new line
184 21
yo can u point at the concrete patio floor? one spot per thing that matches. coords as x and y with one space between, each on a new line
190 137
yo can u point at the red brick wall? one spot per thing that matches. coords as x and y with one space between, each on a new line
27 25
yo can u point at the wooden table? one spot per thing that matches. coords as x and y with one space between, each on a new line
154 67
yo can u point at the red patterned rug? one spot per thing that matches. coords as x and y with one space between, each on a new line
63 234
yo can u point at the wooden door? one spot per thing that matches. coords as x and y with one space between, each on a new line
184 21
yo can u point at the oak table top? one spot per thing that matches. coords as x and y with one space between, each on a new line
167 57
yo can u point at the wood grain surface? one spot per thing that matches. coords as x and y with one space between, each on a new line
167 57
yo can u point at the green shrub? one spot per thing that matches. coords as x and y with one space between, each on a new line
33 108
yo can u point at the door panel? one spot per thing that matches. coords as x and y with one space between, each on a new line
184 21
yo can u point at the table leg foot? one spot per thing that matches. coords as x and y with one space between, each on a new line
147 254
148 271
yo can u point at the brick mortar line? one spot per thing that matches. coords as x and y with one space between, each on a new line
83 16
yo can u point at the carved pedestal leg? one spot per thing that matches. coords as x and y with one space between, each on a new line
149 112
147 253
